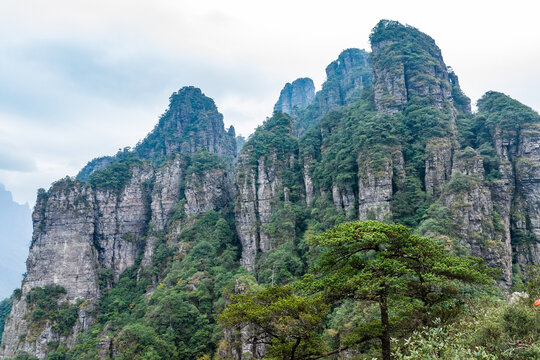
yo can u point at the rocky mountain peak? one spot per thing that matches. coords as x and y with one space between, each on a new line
407 66
192 123
346 76
296 96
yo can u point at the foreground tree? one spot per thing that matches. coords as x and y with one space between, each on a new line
286 323
387 265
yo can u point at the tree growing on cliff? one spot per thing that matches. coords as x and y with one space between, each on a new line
410 278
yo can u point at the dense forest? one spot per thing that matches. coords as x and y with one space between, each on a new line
377 218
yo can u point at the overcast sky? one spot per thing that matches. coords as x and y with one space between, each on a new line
80 79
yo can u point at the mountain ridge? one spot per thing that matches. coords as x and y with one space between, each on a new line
182 219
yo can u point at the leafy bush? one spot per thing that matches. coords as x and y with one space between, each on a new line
45 304
115 176
440 343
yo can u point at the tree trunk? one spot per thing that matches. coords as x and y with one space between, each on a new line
293 350
385 338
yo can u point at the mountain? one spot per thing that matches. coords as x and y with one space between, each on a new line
15 235
136 256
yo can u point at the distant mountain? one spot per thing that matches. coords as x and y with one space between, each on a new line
15 236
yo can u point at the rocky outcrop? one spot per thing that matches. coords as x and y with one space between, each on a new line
481 196
62 253
389 86
79 232
344 198
210 190
308 181
438 165
476 219
260 183
86 234
121 221
258 187
407 65
166 192
461 101
346 78
527 214
192 123
296 96
376 184
246 210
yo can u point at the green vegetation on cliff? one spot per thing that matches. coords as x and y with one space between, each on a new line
5 308
444 184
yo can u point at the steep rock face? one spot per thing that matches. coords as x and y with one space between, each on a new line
296 96
515 133
308 181
269 183
121 222
389 84
62 253
346 78
438 165
344 198
475 214
210 190
402 74
246 210
260 183
166 192
527 169
258 188
86 234
376 185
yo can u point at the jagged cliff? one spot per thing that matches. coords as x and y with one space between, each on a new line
86 234
346 77
389 137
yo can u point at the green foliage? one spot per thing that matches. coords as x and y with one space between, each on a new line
507 331
94 165
5 309
410 278
202 161
292 323
504 112
280 266
409 205
44 302
370 280
276 135
461 183
166 310
115 176
440 343
196 112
